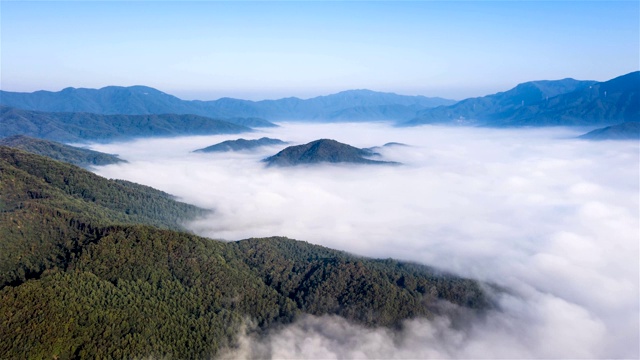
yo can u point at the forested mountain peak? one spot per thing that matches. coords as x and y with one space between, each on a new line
322 151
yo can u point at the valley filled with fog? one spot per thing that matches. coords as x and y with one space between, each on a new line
552 219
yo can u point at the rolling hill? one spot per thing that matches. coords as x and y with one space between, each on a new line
84 273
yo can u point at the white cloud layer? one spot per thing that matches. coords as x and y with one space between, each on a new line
552 218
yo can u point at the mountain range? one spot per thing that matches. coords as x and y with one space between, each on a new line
141 100
61 152
323 151
564 102
97 268
80 114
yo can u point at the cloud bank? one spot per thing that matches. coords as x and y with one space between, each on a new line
552 218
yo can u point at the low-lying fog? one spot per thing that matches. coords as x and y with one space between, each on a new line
553 218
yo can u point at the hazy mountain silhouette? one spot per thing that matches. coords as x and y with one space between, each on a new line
545 103
351 105
374 149
625 131
609 102
118 100
481 109
142 100
536 103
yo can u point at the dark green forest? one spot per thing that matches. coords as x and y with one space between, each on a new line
98 268
57 151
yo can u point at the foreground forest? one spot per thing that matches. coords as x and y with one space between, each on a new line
70 154
95 268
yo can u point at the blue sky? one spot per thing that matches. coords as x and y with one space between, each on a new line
264 50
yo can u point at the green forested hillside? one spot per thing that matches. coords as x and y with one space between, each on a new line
373 292
84 273
43 202
57 151
30 179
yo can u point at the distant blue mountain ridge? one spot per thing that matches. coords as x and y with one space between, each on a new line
352 105
565 102
536 103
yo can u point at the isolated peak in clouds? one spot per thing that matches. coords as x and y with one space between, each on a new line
241 144
323 151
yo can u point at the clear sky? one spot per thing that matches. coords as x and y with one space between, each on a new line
265 50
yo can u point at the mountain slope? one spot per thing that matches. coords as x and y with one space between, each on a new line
322 151
486 108
625 131
33 179
609 102
319 279
134 100
564 102
78 280
241 144
141 100
61 152
34 187
77 127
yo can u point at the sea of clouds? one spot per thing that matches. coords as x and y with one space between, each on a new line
552 218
